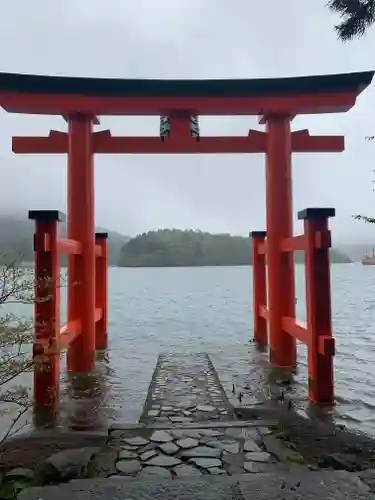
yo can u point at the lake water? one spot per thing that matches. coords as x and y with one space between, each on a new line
210 309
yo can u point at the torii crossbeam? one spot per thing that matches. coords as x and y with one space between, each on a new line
103 142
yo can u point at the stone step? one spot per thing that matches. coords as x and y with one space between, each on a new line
185 388
124 426
324 485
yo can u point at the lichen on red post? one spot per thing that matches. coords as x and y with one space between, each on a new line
321 345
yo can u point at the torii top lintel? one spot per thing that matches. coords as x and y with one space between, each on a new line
55 95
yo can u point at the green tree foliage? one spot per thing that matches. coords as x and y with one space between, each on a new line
357 16
173 247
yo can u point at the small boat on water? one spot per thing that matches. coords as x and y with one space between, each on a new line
369 260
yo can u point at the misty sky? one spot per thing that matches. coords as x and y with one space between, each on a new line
188 39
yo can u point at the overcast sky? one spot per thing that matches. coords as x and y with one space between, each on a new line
188 39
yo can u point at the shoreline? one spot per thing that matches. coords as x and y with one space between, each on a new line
30 265
314 439
322 443
210 265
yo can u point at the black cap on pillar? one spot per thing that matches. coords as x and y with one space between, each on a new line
258 234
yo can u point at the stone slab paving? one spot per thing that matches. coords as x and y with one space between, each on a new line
328 485
201 451
185 388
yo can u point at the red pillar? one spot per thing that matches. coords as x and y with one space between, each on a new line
101 291
47 309
81 227
318 304
259 287
281 296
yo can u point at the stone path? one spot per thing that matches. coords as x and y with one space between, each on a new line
189 428
185 451
186 388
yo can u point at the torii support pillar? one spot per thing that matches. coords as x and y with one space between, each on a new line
259 288
81 227
318 304
281 295
101 291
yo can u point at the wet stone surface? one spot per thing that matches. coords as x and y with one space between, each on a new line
136 441
184 389
202 451
182 452
128 466
169 448
161 437
164 461
258 457
157 471
206 463
187 443
251 446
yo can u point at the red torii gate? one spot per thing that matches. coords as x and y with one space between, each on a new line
277 101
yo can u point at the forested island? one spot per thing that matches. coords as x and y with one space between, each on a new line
174 247
162 248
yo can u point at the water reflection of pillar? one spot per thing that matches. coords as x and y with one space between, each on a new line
44 417
87 397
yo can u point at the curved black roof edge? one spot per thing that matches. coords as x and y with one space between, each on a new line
13 82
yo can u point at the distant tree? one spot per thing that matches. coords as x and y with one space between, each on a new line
357 16
364 218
